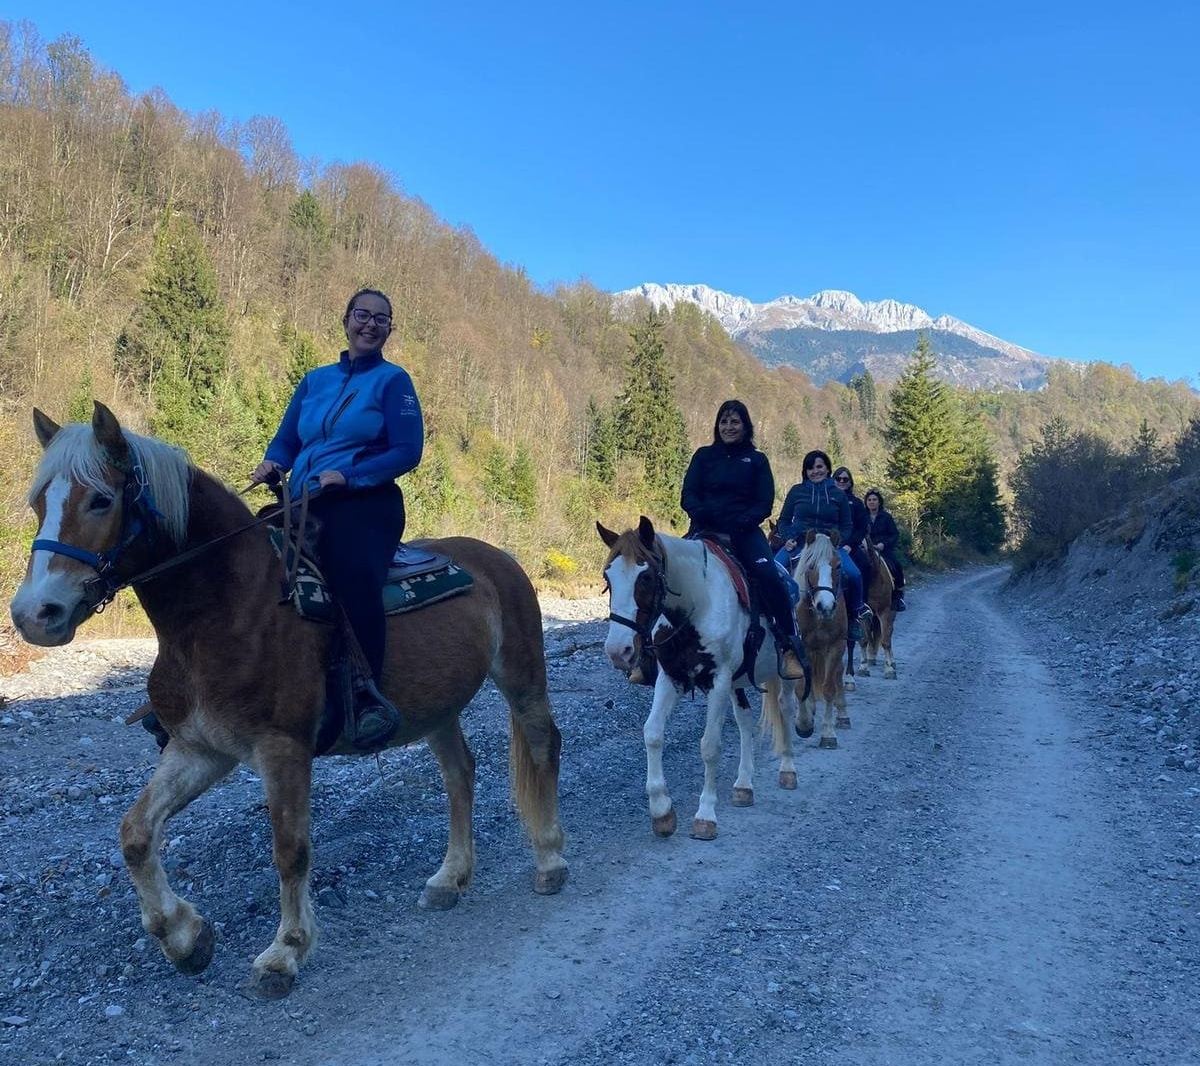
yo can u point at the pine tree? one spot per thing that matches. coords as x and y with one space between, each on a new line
647 421
864 386
600 444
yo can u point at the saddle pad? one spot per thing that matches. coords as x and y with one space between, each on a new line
736 574
312 600
412 592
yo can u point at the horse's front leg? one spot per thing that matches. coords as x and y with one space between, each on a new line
777 695
449 747
662 813
743 787
704 825
182 774
286 768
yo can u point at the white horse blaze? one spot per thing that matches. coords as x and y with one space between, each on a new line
622 575
43 585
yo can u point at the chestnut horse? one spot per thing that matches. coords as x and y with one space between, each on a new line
877 631
681 601
241 678
821 618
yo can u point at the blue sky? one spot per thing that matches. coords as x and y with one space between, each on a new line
1031 168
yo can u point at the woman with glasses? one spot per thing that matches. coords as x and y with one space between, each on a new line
352 428
817 503
844 480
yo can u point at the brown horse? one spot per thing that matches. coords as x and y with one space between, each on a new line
877 631
240 678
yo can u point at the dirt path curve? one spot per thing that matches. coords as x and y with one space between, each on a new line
978 874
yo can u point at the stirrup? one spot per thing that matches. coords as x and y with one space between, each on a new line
375 719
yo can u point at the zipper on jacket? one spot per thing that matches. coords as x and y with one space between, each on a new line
338 413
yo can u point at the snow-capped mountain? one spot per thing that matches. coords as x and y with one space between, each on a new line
834 334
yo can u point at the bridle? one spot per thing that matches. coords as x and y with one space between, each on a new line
139 519
656 568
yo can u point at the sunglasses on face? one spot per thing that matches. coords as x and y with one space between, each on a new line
841 477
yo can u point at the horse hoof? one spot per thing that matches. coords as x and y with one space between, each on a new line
438 898
703 829
803 733
201 954
827 742
848 684
787 779
743 797
843 723
665 824
266 987
890 675
548 882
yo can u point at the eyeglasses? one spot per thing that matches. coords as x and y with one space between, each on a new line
841 477
362 316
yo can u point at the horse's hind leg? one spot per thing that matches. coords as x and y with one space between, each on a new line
889 661
848 682
457 764
182 774
774 719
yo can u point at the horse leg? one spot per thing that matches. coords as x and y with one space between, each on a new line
457 764
823 690
286 768
864 670
743 786
662 814
704 824
182 774
781 737
889 661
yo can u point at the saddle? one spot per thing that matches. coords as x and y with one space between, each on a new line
717 545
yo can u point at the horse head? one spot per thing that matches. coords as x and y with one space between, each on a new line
816 570
98 517
635 578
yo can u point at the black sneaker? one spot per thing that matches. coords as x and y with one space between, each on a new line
899 605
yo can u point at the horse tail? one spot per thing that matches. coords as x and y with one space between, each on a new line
533 778
772 722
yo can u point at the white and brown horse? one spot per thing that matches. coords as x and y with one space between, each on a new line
679 599
240 678
821 619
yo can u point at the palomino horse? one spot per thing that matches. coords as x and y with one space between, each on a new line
821 617
240 678
877 632
681 601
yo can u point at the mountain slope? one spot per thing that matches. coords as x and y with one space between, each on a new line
833 335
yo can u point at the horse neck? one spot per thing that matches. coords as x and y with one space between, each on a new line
218 580
692 572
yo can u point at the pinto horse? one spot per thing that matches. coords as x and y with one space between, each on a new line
681 601
821 618
241 678
877 632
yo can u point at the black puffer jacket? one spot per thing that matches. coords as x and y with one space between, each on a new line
728 488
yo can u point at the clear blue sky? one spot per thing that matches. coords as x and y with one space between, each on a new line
1031 168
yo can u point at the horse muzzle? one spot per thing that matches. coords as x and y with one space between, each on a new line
47 623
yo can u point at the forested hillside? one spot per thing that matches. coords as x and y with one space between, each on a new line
186 270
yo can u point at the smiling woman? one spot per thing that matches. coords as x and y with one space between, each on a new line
349 431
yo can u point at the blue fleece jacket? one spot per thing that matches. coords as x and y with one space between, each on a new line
360 417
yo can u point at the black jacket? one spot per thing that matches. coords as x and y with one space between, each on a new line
859 520
728 489
883 530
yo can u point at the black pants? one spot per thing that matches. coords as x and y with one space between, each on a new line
754 553
359 533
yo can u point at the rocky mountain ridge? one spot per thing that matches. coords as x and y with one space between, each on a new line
833 335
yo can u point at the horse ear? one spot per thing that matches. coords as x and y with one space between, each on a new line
810 536
646 532
835 538
108 433
607 535
45 427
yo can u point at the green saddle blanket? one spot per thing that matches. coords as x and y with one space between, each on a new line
412 584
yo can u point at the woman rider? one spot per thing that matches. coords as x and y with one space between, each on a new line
844 480
817 503
352 428
729 489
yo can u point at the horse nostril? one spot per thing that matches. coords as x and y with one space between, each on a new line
50 613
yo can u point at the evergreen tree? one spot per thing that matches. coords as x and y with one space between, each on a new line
833 440
923 432
864 386
600 444
523 485
791 445
647 421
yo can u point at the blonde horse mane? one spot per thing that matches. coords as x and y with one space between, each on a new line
819 550
166 471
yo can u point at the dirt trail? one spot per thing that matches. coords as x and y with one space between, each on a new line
980 873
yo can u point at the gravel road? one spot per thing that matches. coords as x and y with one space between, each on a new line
997 865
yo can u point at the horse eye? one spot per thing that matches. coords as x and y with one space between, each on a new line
100 503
